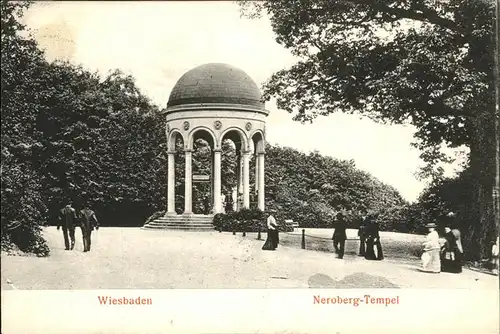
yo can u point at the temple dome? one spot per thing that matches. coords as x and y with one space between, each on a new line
216 83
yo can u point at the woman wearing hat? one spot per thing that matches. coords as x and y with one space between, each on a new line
430 258
272 233
373 246
451 252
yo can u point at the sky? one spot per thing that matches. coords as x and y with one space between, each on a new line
157 42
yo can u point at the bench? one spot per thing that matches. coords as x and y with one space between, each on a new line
291 222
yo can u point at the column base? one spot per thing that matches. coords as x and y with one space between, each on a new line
170 214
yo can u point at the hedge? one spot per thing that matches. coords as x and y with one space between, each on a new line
246 220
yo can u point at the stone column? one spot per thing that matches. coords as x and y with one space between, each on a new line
212 173
239 180
217 181
256 174
246 179
188 192
171 184
260 162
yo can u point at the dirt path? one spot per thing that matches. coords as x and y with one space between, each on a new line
131 258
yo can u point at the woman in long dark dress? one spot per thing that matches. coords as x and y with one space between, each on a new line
369 239
451 254
373 246
362 237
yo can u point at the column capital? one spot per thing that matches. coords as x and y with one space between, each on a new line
246 152
188 150
170 152
217 150
261 153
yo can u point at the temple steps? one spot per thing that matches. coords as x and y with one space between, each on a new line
182 222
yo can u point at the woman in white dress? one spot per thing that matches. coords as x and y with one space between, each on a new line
431 261
494 254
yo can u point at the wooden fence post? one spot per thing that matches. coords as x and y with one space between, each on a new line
244 233
303 239
258 235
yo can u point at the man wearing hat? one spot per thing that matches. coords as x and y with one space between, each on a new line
68 220
339 235
431 261
88 221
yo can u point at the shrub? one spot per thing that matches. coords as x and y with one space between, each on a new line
23 211
27 238
155 216
246 220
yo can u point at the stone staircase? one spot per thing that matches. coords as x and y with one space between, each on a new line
182 222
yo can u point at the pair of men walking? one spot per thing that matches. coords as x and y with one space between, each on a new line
69 219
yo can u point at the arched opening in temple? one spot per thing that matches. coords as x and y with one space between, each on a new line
234 144
203 143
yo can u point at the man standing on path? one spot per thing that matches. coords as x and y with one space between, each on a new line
206 205
88 221
228 200
339 235
67 219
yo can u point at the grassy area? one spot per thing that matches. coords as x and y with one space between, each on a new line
398 246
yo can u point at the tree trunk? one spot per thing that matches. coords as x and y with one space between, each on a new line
481 223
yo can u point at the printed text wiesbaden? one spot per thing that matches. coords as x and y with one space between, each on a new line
108 300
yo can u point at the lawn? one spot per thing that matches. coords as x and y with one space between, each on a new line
396 246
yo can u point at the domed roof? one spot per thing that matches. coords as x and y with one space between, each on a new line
216 83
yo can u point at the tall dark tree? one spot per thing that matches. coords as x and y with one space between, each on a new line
101 142
424 62
22 205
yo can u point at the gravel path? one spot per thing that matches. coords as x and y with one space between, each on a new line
131 258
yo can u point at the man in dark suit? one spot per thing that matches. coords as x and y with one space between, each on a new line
88 221
228 203
339 235
67 219
206 205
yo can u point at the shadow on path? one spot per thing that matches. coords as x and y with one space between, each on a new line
353 281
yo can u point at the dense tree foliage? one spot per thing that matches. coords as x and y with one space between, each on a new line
21 204
310 188
424 62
